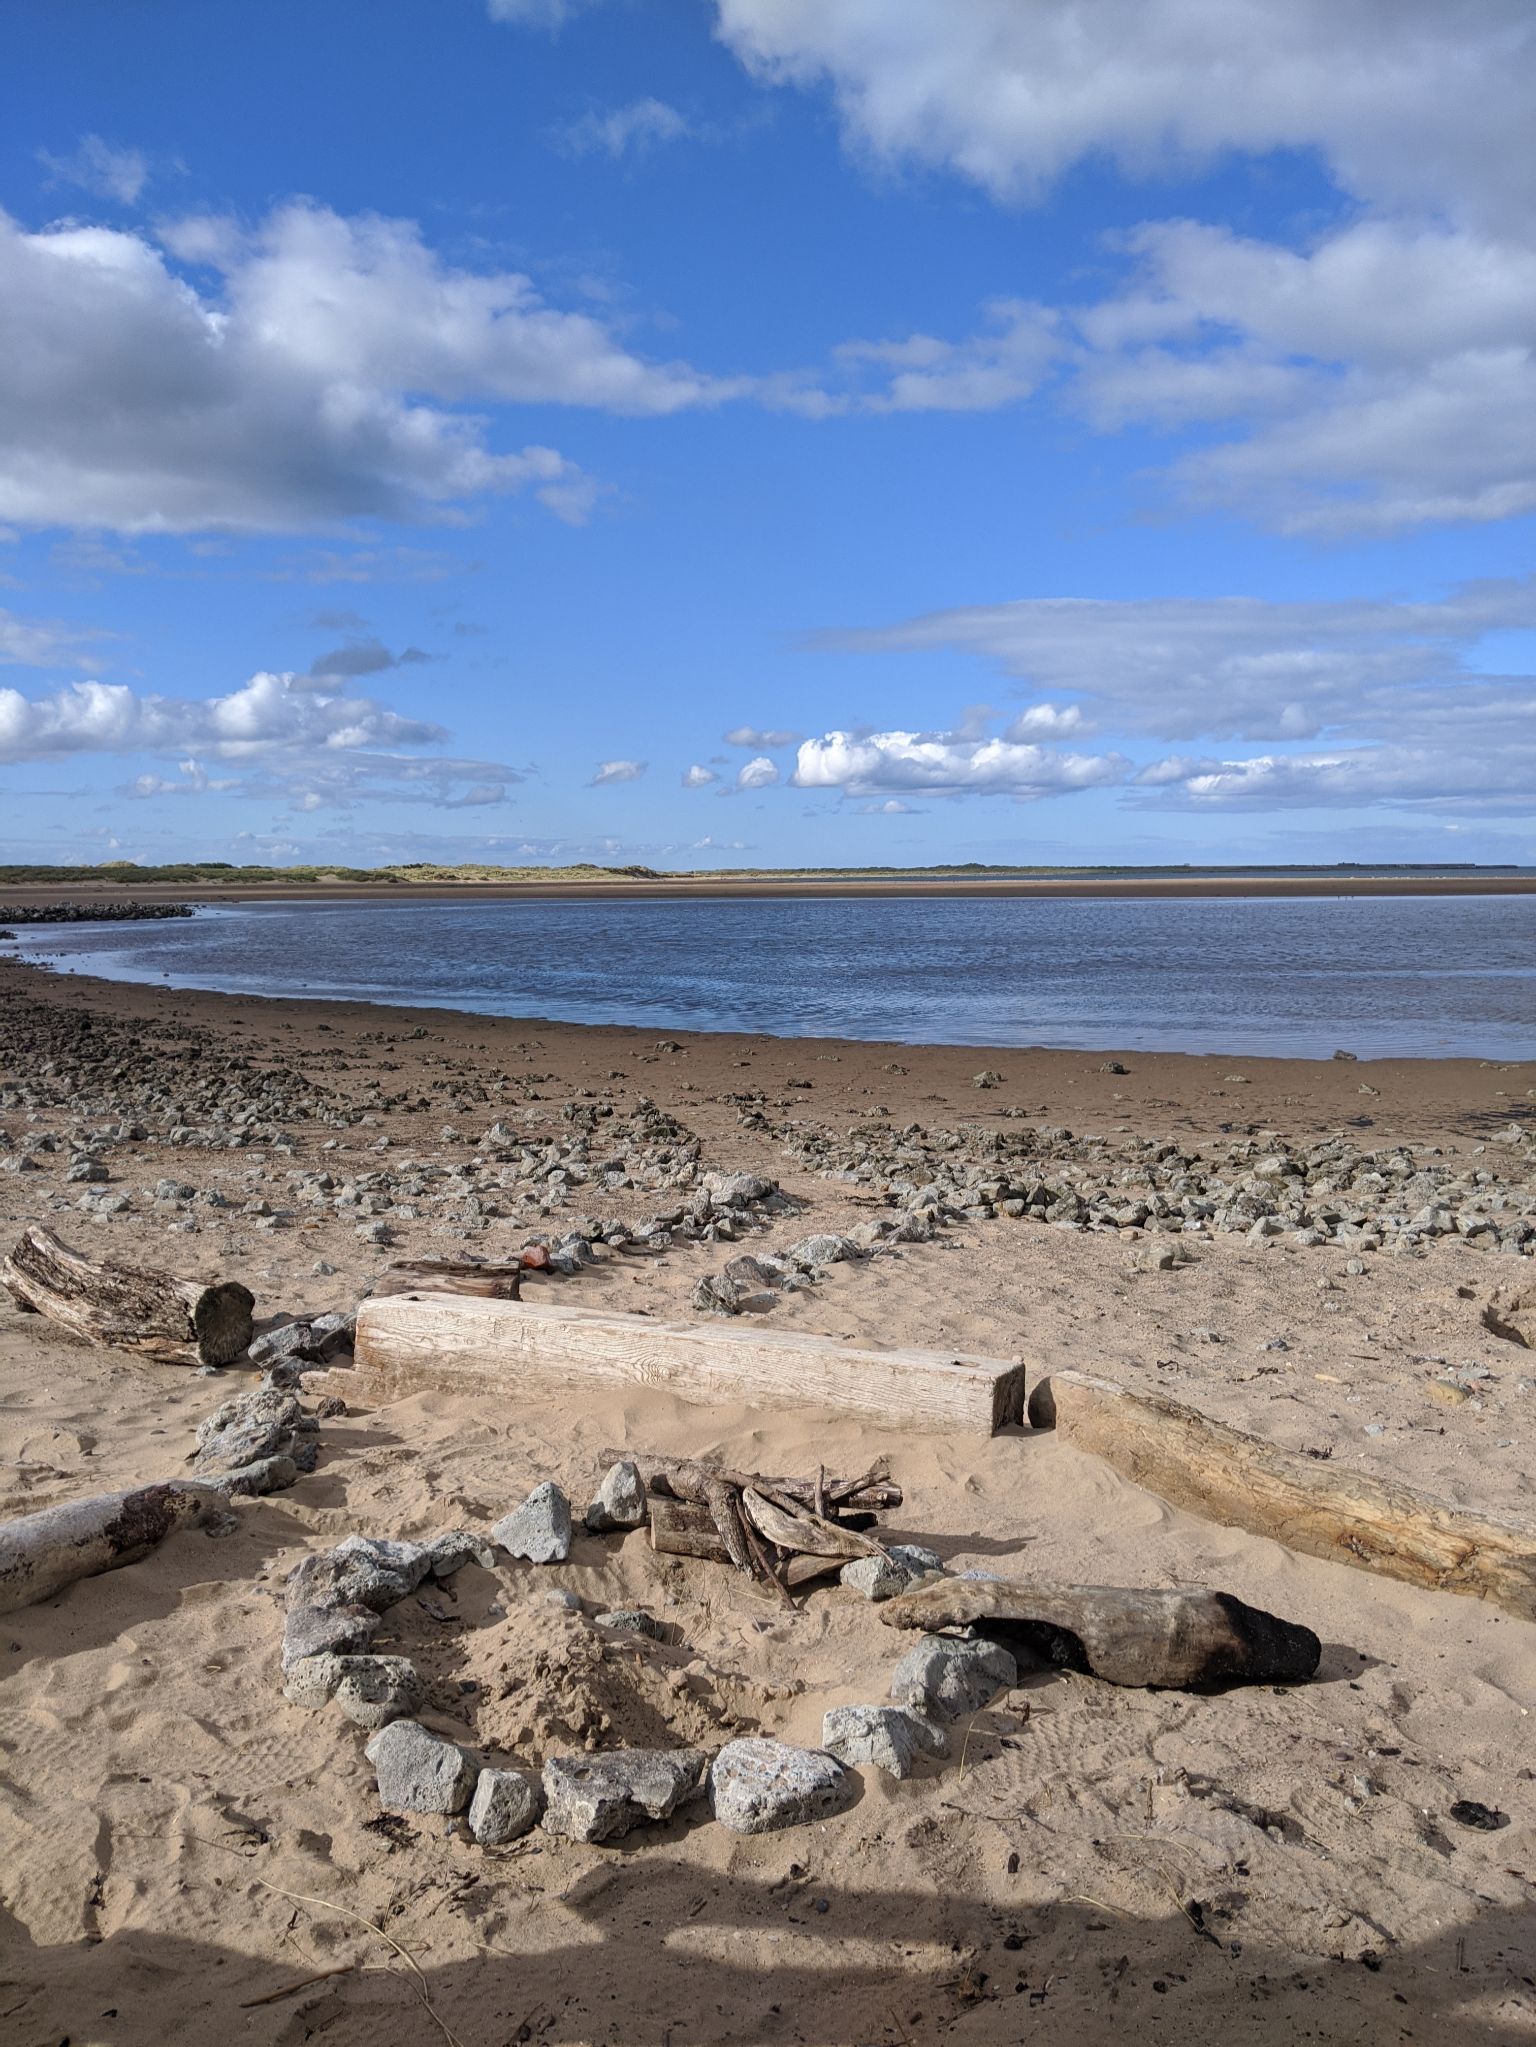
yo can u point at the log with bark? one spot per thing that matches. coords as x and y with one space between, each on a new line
1180 1640
449 1276
1318 1508
770 1528
132 1308
43 1552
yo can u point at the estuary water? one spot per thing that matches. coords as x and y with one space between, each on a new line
1379 976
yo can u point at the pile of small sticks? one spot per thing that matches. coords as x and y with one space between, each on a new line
782 1531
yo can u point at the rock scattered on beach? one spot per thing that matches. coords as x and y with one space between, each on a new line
758 1786
540 1529
943 1678
419 1772
602 1797
507 1804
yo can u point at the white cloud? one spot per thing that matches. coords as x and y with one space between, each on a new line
1230 667
44 643
1379 376
922 373
609 772
761 773
638 126
96 167
1356 702
549 14
947 764
272 713
1409 102
749 736
315 384
699 777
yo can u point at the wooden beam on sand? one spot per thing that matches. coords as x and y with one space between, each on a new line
133 1308
1309 1505
454 1344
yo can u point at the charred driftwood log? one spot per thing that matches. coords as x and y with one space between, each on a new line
43 1552
1317 1508
1182 1641
174 1321
449 1276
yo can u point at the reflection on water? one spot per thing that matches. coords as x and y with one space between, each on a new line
1378 976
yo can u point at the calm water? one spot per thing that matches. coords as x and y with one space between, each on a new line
1428 975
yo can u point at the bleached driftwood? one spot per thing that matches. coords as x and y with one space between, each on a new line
43 1552
1318 1508
681 1529
133 1308
1180 1640
448 1276
505 1347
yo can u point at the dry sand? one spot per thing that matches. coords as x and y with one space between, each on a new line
177 1843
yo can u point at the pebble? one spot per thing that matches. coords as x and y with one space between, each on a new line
540 1529
418 1771
758 1786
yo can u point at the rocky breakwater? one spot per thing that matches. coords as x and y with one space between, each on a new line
90 913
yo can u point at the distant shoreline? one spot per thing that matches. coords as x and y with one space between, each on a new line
1075 887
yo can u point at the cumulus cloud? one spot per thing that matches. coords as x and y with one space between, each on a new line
635 127
699 777
761 773
269 714
96 167
1376 376
318 380
949 764
749 736
1407 101
609 772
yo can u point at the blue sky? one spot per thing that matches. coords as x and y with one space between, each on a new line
725 432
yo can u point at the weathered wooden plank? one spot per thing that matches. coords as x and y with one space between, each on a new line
449 1276
407 1343
1317 1508
133 1308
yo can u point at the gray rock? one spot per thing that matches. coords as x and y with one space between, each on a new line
418 1771
540 1529
885 1577
736 1190
327 1630
757 1786
600 1797
263 1475
633 1620
362 1570
262 1423
370 1690
506 1805
822 1249
883 1735
944 1679
620 1501
452 1548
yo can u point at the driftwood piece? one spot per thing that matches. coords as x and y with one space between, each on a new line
1241 1481
1178 1640
43 1552
870 1490
680 1529
806 1534
174 1321
449 1276
408 1342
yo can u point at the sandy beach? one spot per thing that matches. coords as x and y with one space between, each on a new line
187 1855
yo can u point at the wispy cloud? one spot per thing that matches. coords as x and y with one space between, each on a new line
629 129
609 772
96 167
